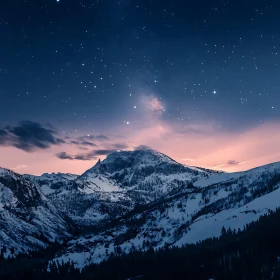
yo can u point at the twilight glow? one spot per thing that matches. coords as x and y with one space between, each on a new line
126 73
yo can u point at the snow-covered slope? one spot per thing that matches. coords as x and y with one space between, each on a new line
49 183
117 184
230 200
138 198
79 202
27 219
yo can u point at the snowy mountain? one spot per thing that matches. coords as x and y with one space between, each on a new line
143 170
28 220
131 199
230 200
117 184
143 175
49 183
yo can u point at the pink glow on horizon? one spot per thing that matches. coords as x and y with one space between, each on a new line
213 149
210 149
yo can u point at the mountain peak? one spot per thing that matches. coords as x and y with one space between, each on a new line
140 163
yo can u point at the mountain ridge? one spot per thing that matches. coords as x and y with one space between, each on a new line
28 220
138 199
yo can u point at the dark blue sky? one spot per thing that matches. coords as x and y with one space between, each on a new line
86 66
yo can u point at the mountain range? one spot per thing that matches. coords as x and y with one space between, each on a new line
131 199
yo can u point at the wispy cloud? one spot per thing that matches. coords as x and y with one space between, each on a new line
93 137
83 143
119 146
75 142
85 156
86 143
233 162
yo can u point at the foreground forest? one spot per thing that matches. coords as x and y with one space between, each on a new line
250 253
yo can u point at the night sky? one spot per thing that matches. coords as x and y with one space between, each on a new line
196 80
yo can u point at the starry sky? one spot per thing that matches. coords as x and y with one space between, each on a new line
197 80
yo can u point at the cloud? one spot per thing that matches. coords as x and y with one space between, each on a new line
86 156
3 136
233 162
83 143
64 155
93 137
119 146
29 136
101 137
103 152
229 163
83 148
86 143
75 142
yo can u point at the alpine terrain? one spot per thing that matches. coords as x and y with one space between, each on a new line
137 199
